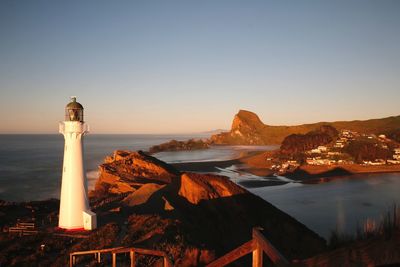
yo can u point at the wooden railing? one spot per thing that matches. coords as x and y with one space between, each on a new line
118 250
258 245
133 251
22 228
97 254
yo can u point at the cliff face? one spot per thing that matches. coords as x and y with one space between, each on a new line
248 129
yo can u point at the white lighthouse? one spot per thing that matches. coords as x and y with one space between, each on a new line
74 204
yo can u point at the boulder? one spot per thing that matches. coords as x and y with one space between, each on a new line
196 187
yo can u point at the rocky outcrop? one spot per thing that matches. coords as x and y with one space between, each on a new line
198 187
175 145
126 171
248 129
203 208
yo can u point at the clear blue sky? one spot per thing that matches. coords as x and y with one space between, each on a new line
189 66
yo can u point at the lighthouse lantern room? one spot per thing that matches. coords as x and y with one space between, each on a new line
74 204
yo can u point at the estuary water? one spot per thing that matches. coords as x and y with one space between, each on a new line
343 204
30 169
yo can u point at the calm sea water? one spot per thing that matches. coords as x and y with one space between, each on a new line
30 169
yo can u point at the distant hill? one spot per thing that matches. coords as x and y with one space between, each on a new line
248 129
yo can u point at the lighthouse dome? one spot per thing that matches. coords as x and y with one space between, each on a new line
74 111
73 104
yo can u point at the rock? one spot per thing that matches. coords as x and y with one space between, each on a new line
196 187
141 195
126 171
121 188
167 205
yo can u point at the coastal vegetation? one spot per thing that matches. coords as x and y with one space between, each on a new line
298 143
387 227
174 145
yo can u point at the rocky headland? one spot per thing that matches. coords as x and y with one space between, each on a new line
248 129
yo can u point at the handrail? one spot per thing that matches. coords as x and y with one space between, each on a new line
96 252
258 245
86 252
141 251
117 250
132 251
233 255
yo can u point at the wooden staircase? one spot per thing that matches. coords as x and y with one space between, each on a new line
258 246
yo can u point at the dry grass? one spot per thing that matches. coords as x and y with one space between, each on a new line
386 227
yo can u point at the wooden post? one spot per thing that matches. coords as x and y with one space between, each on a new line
99 257
71 264
265 246
114 259
166 261
132 256
258 251
257 255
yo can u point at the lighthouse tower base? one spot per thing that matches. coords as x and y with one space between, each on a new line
89 220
